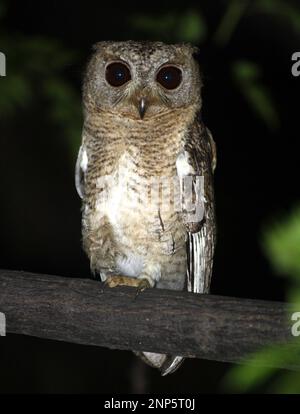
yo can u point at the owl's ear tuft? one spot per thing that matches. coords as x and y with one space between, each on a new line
189 49
195 49
99 45
96 46
196 53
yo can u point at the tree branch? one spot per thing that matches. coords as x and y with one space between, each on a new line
83 311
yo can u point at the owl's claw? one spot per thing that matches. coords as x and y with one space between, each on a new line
143 284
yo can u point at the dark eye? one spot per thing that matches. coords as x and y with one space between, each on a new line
117 74
169 77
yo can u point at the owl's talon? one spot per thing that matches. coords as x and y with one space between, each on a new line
143 284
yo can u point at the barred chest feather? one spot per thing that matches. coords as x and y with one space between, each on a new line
122 166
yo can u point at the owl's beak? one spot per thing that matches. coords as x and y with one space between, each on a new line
142 106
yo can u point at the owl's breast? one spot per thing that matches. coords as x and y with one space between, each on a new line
138 205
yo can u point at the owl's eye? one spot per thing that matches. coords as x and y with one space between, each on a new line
117 74
169 77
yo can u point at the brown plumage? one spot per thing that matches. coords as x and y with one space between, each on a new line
142 137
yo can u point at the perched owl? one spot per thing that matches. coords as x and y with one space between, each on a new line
142 131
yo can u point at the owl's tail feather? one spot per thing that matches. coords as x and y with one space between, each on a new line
167 364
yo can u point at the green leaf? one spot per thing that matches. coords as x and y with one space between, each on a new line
259 367
281 243
172 27
191 27
35 74
154 26
65 111
286 383
283 10
15 93
247 77
234 13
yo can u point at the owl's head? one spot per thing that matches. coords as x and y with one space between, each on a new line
142 79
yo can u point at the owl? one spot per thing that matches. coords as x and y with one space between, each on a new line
145 172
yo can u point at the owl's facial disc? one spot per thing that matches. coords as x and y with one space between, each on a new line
142 92
142 81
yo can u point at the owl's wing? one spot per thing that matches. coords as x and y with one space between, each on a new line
198 162
80 169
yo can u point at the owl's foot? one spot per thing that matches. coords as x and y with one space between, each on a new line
118 280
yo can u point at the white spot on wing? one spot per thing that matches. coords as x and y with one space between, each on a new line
81 162
84 160
183 166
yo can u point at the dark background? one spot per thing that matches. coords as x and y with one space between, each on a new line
256 179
